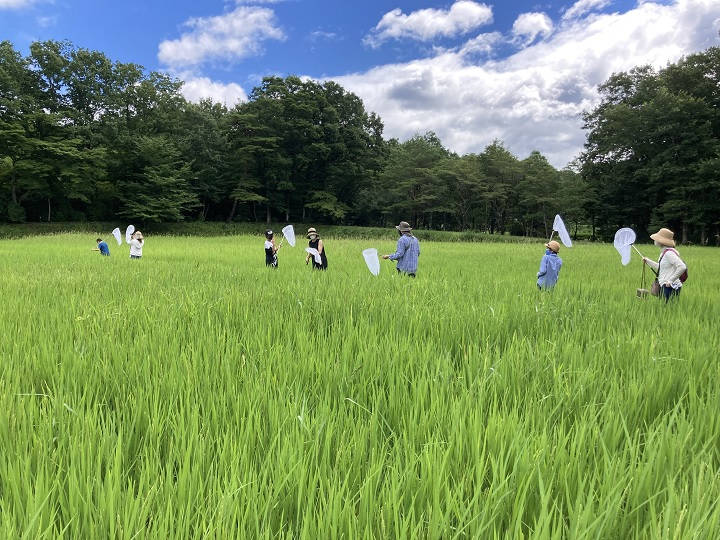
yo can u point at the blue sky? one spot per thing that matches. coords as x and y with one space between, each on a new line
472 71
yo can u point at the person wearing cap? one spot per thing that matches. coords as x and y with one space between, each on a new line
316 244
550 266
670 266
407 252
102 247
271 250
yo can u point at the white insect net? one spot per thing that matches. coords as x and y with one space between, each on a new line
289 234
624 239
118 235
129 232
559 227
315 253
372 260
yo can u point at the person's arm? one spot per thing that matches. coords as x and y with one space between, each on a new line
320 247
543 266
652 264
401 249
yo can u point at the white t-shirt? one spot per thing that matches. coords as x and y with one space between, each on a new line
268 244
136 248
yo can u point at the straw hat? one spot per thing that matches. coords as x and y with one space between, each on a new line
403 227
664 237
312 231
552 245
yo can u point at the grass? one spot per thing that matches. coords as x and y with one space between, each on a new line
196 394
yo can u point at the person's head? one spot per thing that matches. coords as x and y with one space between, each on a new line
404 228
664 238
312 234
553 246
138 236
99 240
269 234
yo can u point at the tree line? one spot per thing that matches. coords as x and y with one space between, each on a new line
652 155
86 138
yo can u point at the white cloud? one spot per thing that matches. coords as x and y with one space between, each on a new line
534 98
482 44
47 21
528 26
582 7
197 88
15 4
232 36
427 24
319 35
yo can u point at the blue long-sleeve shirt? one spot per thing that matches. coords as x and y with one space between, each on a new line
407 253
104 249
549 270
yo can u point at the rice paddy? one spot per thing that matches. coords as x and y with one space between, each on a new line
197 394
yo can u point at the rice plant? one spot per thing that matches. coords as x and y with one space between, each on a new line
197 394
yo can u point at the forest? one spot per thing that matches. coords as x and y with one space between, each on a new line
86 138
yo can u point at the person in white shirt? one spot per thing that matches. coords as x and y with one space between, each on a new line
670 267
136 245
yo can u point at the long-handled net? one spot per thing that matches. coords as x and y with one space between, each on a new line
289 234
118 235
372 260
559 227
623 242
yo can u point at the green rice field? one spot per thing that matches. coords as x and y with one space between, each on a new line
197 394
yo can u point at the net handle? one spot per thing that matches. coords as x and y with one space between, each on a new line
642 278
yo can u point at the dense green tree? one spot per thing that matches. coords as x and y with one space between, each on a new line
650 143
204 146
502 172
156 188
537 195
415 186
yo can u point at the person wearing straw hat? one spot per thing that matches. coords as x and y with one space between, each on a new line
317 244
137 241
407 252
550 266
670 267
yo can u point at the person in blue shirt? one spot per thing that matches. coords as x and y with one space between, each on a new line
549 266
102 247
407 252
